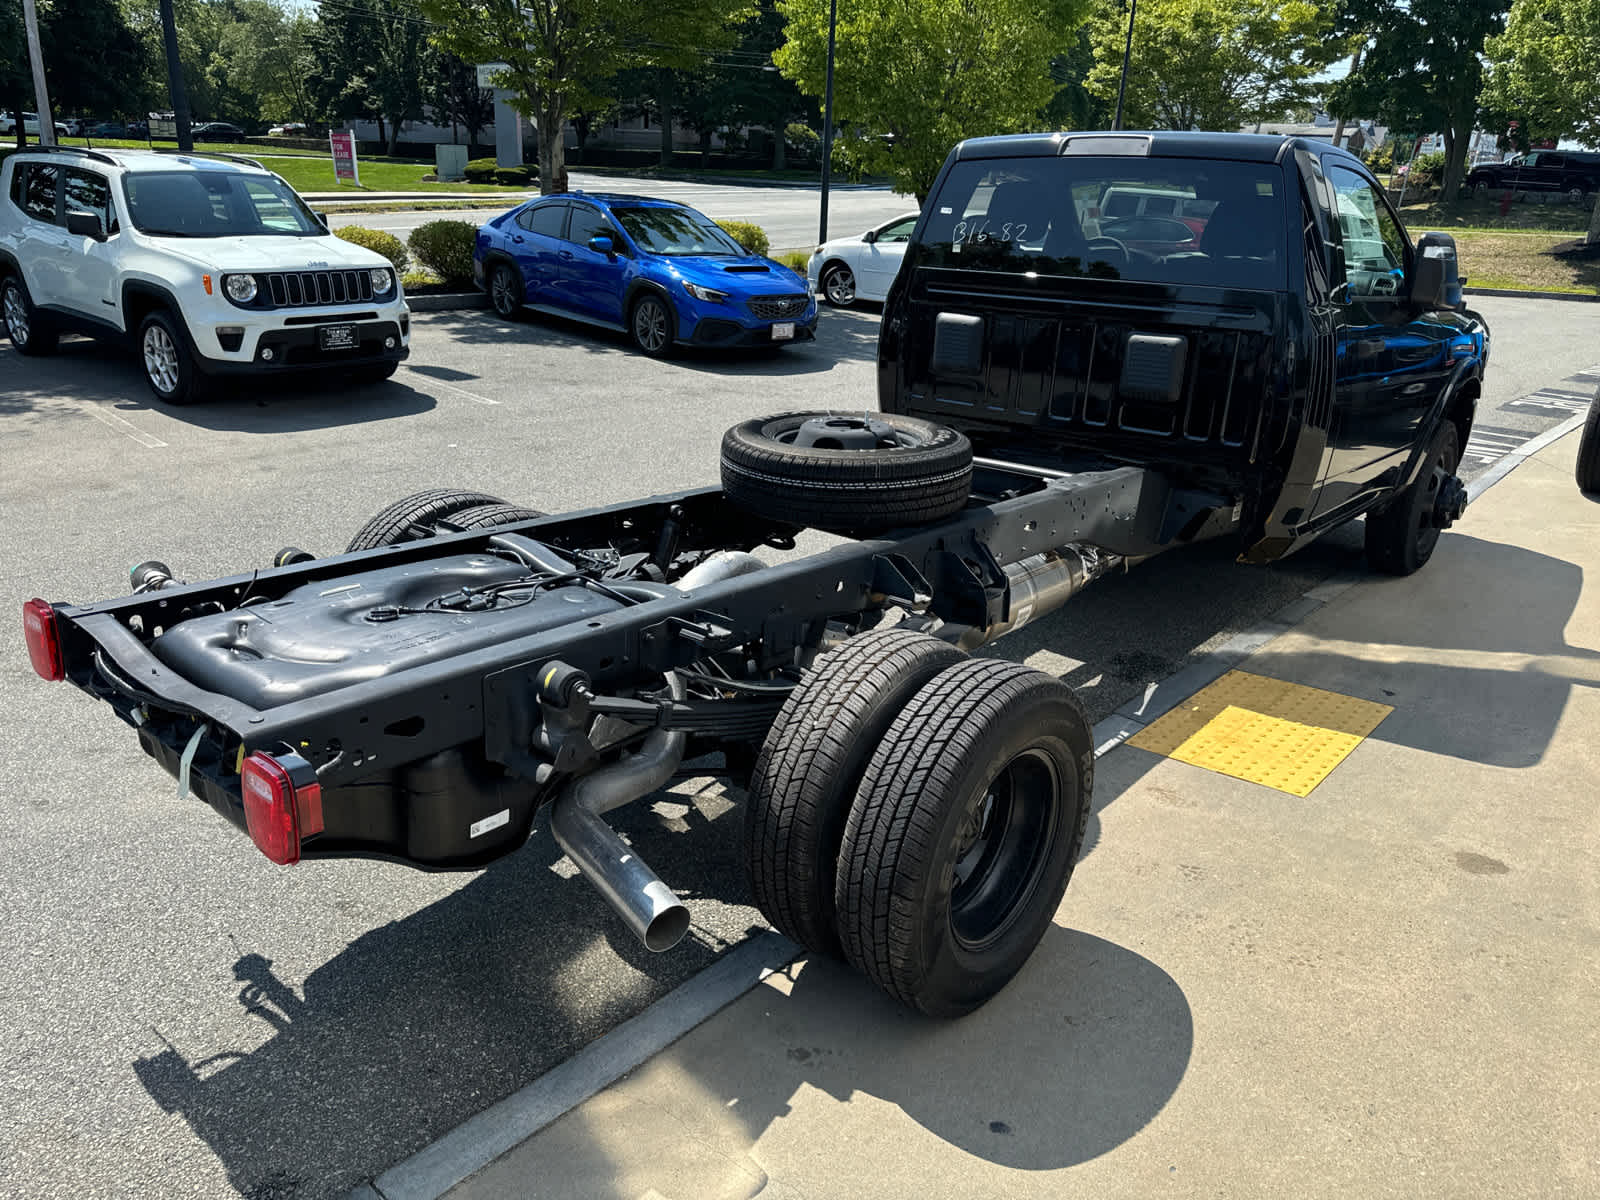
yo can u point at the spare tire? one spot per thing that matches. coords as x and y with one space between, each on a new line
416 517
855 473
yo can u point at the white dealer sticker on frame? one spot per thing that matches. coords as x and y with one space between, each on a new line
479 828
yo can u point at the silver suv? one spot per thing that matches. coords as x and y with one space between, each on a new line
208 265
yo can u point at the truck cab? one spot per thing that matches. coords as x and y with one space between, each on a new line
1288 350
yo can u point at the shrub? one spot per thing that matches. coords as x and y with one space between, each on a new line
445 248
1380 160
481 170
1426 168
802 137
486 170
752 237
795 260
385 244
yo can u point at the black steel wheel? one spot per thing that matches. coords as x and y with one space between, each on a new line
806 775
650 325
856 473
1401 536
29 333
505 290
1589 448
838 285
964 833
169 368
416 517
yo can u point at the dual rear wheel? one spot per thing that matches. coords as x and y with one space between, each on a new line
918 813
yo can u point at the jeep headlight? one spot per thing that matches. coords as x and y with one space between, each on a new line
709 295
241 289
382 282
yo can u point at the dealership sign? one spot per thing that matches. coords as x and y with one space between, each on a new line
344 157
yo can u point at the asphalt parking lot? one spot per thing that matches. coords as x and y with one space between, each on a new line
183 1018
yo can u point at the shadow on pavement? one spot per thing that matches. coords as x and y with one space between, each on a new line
426 1021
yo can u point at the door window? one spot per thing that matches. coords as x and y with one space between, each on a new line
900 231
587 223
546 219
39 193
89 192
1375 248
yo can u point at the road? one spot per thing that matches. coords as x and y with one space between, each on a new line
183 1018
788 214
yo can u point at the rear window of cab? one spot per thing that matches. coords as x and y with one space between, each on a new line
1191 221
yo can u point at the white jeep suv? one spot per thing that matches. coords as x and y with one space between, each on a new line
208 265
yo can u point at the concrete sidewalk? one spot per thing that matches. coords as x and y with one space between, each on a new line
1390 987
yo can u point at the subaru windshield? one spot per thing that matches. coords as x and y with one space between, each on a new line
676 231
206 204
1174 220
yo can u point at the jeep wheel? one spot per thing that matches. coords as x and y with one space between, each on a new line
1401 536
28 333
810 764
964 833
839 285
855 473
650 326
419 516
169 368
1589 448
505 291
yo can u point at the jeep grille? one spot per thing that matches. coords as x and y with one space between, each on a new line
303 289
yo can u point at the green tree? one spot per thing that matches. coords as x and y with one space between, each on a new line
1422 69
14 81
560 53
1209 64
373 57
1074 106
914 77
93 59
1544 70
454 97
268 51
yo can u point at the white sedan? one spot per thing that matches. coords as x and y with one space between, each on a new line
848 269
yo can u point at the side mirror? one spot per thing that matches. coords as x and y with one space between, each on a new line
1435 277
86 224
601 244
870 236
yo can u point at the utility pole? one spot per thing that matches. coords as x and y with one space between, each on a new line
1355 65
179 94
827 123
41 94
1127 52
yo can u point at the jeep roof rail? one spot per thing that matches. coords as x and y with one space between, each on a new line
97 155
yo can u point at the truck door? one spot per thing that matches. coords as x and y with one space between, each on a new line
1392 359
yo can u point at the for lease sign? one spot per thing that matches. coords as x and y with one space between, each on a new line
344 157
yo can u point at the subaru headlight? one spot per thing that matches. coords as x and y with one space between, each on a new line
382 282
241 289
709 295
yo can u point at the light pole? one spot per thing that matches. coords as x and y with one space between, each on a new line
177 92
827 123
1127 51
41 94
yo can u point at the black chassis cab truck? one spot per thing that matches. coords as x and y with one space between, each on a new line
1063 393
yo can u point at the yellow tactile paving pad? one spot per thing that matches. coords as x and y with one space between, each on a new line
1282 735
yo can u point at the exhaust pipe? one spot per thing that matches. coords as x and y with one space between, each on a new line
1039 585
650 908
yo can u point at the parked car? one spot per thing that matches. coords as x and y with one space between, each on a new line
30 125
1575 172
657 270
218 131
107 129
138 129
291 129
207 268
844 270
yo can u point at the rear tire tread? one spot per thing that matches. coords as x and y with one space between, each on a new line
390 523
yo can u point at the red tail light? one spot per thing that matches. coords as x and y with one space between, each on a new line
44 640
282 804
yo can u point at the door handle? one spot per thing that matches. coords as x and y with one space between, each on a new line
517 238
567 254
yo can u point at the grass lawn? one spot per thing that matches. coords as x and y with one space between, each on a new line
1485 214
1523 261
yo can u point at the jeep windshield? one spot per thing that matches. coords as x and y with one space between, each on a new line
1155 220
206 204
676 231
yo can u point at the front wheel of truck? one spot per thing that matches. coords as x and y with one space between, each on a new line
1401 536
1589 448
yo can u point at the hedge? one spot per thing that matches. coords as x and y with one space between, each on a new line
445 248
752 237
486 170
385 244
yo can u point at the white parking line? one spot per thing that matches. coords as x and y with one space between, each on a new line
122 426
452 387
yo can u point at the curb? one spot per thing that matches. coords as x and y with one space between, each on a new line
447 301
1581 298
478 1141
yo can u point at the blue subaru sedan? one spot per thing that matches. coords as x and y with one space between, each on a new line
661 272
